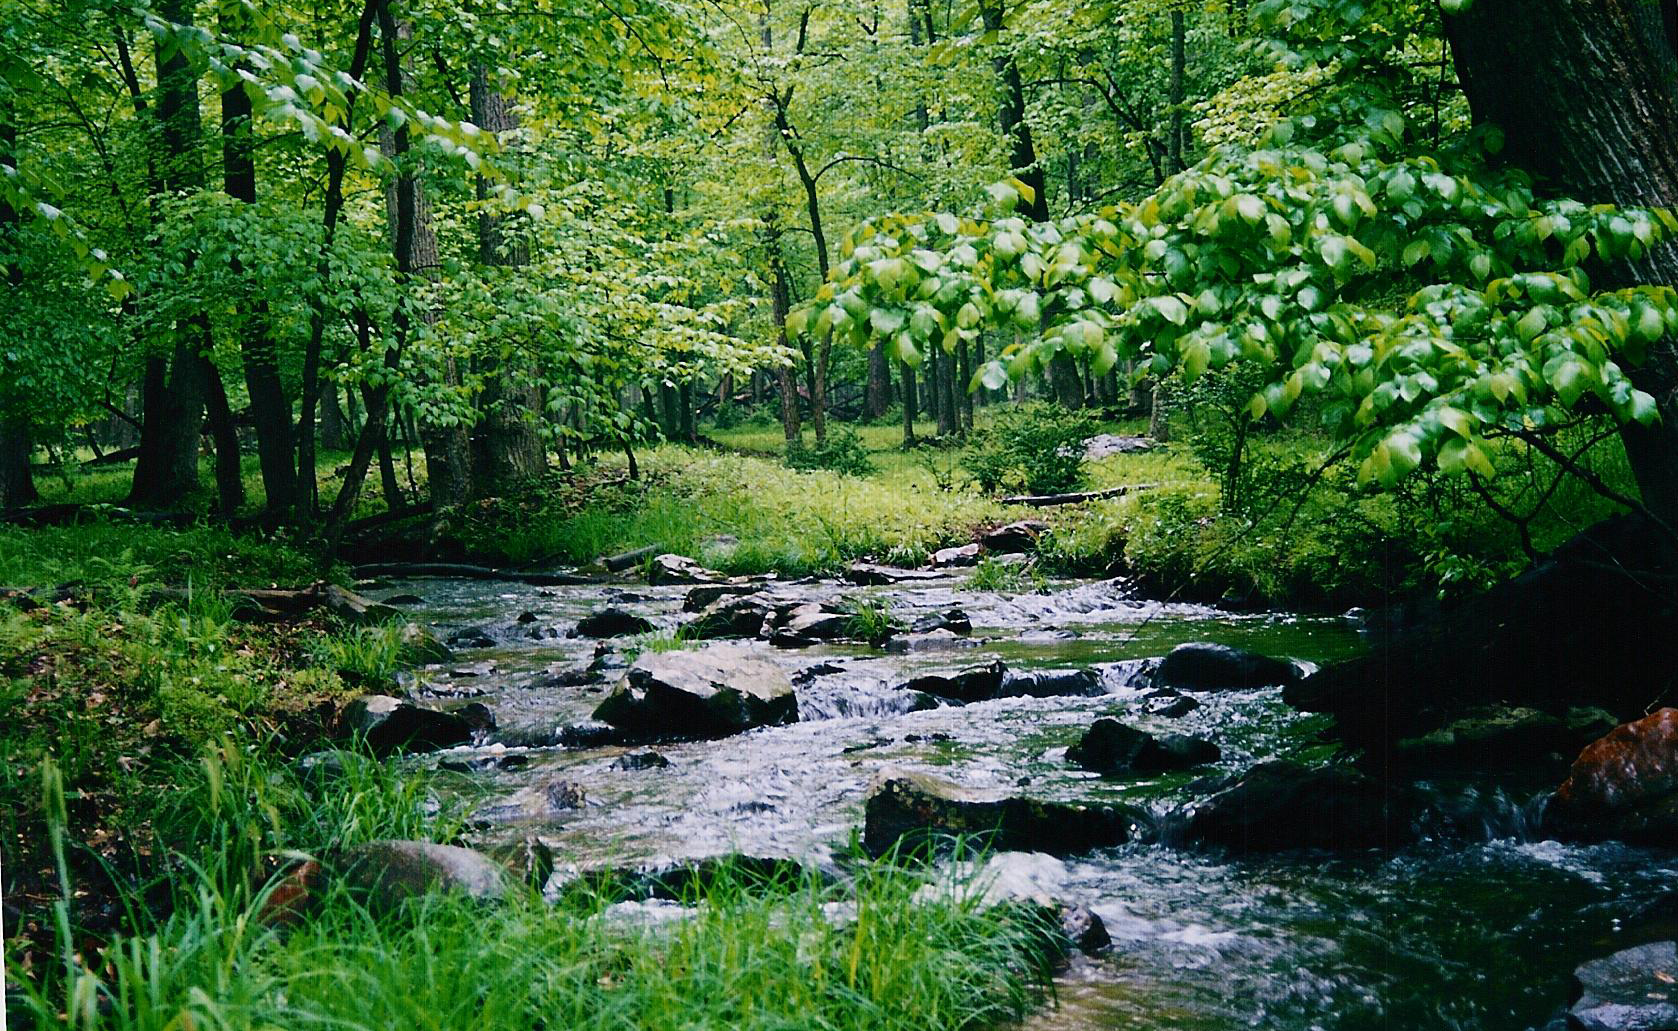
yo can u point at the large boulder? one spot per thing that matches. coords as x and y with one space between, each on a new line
941 640
871 574
1623 786
613 622
664 570
919 809
732 616
386 872
1103 445
389 725
1014 538
1111 748
701 597
802 625
973 684
1279 806
951 558
954 620
1633 990
1574 630
1504 739
1203 666
714 692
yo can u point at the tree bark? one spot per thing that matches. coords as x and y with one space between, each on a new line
906 376
878 397
270 407
1586 92
1179 58
1022 152
507 449
308 495
17 482
167 469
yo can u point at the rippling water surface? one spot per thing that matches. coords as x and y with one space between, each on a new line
1480 934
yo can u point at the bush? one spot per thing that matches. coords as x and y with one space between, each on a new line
1036 446
842 452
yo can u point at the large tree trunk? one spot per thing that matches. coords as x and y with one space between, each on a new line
878 398
167 468
506 449
17 483
780 304
270 408
1586 92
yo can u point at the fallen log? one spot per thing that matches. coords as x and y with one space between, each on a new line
618 563
69 513
1078 498
413 570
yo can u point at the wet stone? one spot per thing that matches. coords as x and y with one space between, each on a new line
679 569
1203 666
1111 748
1280 806
919 810
1632 990
705 595
388 871
1014 538
389 725
1050 683
950 558
640 761
937 640
732 616
471 637
1623 786
973 684
953 620
613 622
713 692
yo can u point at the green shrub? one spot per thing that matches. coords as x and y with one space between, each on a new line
842 452
1036 446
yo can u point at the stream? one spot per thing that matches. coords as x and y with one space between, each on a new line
1480 933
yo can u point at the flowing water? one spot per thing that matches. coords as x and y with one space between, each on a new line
1480 933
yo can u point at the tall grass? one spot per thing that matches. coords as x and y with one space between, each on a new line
875 951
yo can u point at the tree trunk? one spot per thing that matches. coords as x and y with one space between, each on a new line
308 494
949 423
1586 92
507 449
1179 58
334 428
780 303
906 376
230 472
167 469
878 398
1063 377
270 408
17 482
964 376
1022 153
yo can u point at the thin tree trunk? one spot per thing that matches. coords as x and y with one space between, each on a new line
906 377
964 376
230 473
1586 92
309 499
948 422
1179 58
334 428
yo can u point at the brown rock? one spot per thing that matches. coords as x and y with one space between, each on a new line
1623 786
